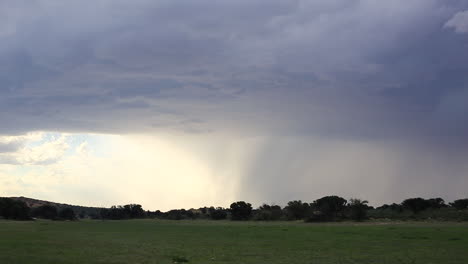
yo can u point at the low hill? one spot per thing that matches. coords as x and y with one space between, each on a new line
81 211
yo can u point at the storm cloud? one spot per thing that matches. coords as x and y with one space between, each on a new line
351 78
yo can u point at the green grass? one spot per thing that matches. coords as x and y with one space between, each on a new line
151 241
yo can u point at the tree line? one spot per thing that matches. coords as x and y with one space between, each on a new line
328 208
18 210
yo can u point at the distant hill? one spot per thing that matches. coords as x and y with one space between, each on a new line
81 211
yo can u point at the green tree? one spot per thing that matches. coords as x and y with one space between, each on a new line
331 207
460 204
358 209
436 203
241 210
67 214
46 211
268 213
218 213
416 205
296 210
13 209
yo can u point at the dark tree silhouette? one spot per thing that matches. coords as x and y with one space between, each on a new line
460 204
45 211
175 214
218 213
330 206
416 205
67 214
241 210
436 203
134 211
13 209
393 207
296 210
358 209
268 213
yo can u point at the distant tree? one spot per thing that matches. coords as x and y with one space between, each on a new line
204 210
331 207
460 204
358 209
393 207
416 205
241 210
154 214
129 211
296 210
46 211
13 209
158 214
268 213
67 214
118 212
82 214
436 203
189 214
218 213
133 211
175 214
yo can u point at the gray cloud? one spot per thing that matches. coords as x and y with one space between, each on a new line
340 59
9 146
459 22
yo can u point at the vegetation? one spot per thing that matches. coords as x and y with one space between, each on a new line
326 209
358 209
382 238
46 212
67 214
129 211
296 210
460 204
241 211
268 213
13 209
223 242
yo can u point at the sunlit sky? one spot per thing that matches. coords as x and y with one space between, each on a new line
180 104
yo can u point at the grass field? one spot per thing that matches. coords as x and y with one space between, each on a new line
151 241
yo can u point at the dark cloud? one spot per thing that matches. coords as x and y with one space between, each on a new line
324 63
6 147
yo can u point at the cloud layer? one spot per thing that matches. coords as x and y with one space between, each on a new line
295 66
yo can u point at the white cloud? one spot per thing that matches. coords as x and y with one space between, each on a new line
32 149
83 149
459 22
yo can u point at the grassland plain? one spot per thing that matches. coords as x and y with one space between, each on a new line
155 241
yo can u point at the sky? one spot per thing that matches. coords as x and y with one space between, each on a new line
180 104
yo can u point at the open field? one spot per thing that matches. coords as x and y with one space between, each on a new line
151 241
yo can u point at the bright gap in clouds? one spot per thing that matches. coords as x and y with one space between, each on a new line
104 170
